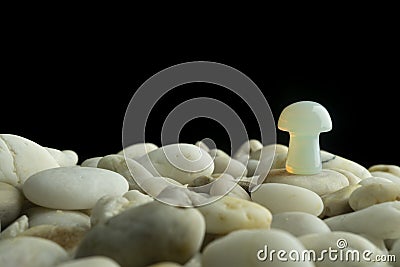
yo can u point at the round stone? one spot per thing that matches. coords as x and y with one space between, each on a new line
73 188
280 198
30 251
147 234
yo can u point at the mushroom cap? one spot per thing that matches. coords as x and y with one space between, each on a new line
305 117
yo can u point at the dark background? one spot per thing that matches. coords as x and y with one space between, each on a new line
72 93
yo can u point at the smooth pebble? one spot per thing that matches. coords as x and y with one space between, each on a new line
299 223
392 169
73 188
64 158
30 251
181 162
229 214
337 203
327 181
369 221
138 150
40 216
280 198
147 234
375 193
248 247
91 162
330 161
229 166
133 172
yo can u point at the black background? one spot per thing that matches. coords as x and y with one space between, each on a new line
71 92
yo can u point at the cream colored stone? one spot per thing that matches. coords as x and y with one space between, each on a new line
73 187
229 166
64 158
138 150
341 241
66 236
91 162
353 179
337 203
14 229
40 216
106 208
229 214
387 176
393 169
30 251
154 185
374 180
195 261
371 194
181 162
330 161
215 152
380 220
299 223
327 181
133 172
137 198
280 198
247 248
94 261
11 201
20 158
248 148
270 156
225 184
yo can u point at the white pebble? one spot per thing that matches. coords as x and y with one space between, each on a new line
40 216
299 223
14 229
91 162
247 248
280 198
30 251
181 162
229 166
229 214
138 150
380 220
73 188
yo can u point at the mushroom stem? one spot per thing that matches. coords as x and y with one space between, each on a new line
304 154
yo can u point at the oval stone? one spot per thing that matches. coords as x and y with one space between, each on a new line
283 197
73 188
145 235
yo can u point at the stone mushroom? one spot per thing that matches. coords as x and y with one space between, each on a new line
304 121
